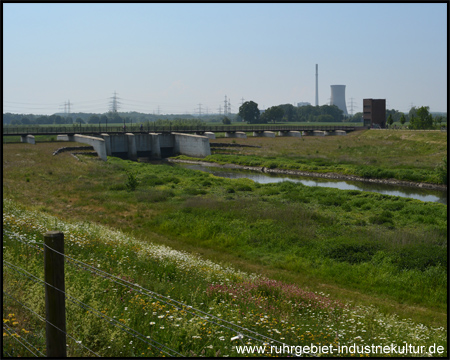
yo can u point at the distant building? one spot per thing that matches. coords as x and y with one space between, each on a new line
374 112
303 104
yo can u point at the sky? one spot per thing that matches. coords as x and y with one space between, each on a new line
185 58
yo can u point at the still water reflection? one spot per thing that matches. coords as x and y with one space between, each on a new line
403 191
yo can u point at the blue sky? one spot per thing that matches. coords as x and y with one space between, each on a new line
169 58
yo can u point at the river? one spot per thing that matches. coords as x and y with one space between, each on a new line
262 178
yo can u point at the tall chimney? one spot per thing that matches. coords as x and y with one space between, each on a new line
317 85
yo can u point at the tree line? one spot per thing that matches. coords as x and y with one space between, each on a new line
249 112
106 118
417 118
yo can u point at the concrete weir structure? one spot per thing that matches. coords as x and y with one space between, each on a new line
28 139
290 133
236 134
97 143
155 146
340 132
263 134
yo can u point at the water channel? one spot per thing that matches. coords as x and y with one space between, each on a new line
262 178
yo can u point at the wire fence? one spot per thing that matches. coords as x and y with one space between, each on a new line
239 331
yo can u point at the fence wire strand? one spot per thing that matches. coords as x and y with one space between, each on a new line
158 297
45 320
16 338
96 312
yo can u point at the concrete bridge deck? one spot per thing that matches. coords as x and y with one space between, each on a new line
90 129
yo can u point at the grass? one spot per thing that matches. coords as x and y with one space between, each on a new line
400 154
277 226
279 310
386 254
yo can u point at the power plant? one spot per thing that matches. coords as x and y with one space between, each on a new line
338 97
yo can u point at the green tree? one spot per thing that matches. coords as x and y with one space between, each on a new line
332 110
395 114
103 119
226 120
402 119
58 120
412 113
93 119
422 120
358 117
289 112
390 120
442 171
274 114
249 112
438 121
324 118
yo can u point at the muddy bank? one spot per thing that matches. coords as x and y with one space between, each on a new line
315 174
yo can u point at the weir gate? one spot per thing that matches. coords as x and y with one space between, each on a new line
154 146
164 141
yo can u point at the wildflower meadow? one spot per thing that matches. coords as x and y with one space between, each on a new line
129 297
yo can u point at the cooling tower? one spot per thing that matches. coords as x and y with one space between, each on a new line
338 97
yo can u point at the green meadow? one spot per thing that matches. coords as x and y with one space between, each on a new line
293 263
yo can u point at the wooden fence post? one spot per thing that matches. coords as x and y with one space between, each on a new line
55 294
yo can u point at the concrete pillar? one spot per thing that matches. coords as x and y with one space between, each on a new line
63 137
156 146
264 133
97 143
131 142
340 132
28 139
191 145
237 134
107 139
210 135
290 133
318 133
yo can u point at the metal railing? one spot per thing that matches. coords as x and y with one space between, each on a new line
111 129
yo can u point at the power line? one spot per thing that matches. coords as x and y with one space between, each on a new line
351 106
114 103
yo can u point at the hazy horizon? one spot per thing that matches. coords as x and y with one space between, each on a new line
180 58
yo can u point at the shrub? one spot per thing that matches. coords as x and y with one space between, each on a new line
353 253
132 181
442 171
384 218
244 188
